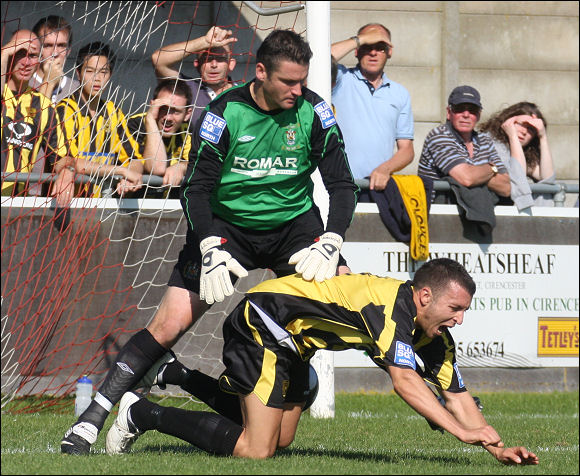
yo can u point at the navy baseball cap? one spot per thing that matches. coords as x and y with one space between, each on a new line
464 94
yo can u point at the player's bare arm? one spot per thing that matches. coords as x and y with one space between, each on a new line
164 58
174 174
411 388
154 152
463 408
404 156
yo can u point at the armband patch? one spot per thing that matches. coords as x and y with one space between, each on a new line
459 377
212 127
404 355
325 114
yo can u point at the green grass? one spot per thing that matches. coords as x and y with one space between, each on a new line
371 434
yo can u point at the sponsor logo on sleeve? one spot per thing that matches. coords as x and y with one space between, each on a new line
212 127
459 377
404 355
325 114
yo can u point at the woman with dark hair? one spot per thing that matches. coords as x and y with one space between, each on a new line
519 135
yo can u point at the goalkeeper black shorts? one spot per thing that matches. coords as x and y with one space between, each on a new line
254 249
256 362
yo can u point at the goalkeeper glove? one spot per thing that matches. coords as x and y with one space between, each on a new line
318 261
216 263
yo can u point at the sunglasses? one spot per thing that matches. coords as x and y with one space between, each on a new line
471 108
380 47
205 58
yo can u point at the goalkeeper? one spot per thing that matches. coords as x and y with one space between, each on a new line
248 199
273 333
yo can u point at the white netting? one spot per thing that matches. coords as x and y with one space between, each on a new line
72 296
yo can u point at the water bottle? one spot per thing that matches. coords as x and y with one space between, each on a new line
84 394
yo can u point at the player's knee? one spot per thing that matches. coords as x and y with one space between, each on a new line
263 453
168 326
285 441
256 452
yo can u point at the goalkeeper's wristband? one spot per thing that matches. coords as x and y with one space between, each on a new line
211 242
330 241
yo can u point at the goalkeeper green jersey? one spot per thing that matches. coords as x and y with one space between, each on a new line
253 167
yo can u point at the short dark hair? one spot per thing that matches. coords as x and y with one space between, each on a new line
175 86
283 45
438 273
53 23
96 48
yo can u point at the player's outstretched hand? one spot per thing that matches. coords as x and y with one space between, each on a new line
516 455
216 264
318 261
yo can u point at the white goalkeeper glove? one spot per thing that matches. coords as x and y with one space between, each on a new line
318 261
216 263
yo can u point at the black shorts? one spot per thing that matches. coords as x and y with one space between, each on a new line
256 362
268 249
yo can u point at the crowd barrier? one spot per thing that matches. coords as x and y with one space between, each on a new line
558 190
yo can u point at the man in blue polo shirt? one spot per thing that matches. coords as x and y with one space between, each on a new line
372 111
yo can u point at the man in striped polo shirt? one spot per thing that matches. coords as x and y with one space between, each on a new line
456 150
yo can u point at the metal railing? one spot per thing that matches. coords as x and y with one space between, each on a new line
558 190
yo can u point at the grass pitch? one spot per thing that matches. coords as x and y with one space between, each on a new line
371 434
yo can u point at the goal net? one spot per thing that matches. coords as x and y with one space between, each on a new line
78 282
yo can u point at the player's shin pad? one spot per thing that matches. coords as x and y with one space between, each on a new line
134 360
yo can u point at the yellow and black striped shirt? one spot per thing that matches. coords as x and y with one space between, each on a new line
102 138
29 122
358 311
177 148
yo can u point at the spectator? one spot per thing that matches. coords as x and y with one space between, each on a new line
163 137
96 130
373 112
282 323
248 200
456 150
29 120
520 138
55 35
213 62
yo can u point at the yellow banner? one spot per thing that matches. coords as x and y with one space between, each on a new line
557 337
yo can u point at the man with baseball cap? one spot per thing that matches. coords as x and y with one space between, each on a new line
456 150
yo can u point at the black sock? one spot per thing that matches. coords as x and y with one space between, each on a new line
205 388
134 360
95 414
208 431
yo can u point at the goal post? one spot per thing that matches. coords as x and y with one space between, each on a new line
318 36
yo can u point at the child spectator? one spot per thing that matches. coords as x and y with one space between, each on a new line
95 129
